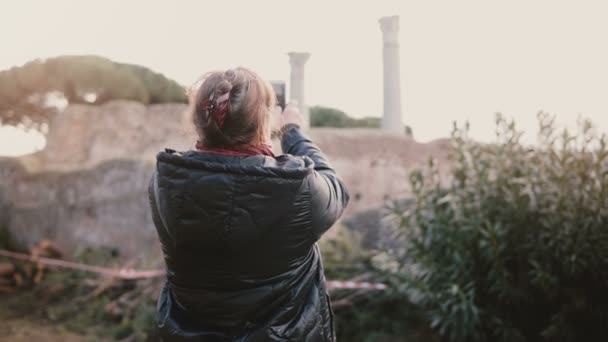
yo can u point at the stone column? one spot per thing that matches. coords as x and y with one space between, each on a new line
297 60
391 120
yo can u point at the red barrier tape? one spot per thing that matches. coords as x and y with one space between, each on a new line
337 284
125 273
131 274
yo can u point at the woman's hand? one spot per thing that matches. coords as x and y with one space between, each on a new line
291 115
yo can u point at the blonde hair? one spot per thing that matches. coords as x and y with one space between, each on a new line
231 108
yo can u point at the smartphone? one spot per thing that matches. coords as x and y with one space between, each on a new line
279 90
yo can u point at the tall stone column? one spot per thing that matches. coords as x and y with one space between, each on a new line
297 60
391 120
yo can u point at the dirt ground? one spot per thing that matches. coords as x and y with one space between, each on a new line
23 330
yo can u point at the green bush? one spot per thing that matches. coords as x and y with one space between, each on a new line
331 117
514 245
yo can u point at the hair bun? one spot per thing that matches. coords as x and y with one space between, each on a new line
229 75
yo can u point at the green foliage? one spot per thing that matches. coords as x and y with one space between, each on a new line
514 247
159 89
26 91
368 315
330 117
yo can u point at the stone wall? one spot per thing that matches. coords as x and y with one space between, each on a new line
103 206
89 185
84 136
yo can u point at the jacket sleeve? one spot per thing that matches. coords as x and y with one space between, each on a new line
328 193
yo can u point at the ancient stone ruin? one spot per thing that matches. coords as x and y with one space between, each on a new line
89 185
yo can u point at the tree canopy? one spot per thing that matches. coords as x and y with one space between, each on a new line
28 92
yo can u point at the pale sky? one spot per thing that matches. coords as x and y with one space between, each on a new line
460 60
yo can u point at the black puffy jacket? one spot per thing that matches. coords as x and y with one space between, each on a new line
239 239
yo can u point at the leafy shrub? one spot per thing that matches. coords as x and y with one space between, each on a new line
514 246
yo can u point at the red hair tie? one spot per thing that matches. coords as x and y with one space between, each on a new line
219 109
